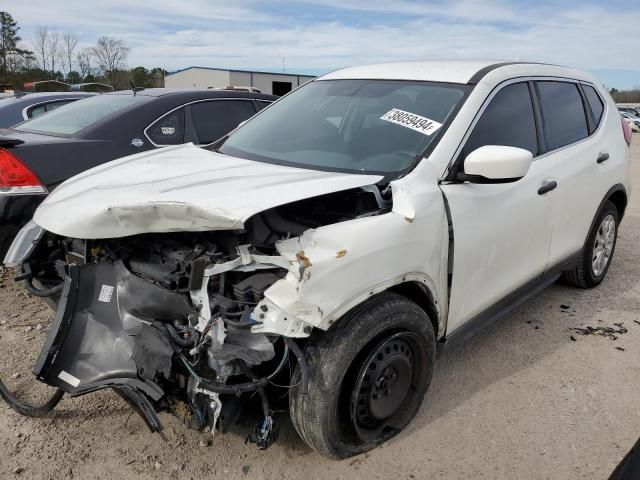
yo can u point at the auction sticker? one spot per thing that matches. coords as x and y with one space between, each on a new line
424 125
105 293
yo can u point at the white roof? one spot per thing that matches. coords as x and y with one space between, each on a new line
454 71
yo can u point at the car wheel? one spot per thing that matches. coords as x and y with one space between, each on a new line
367 377
598 250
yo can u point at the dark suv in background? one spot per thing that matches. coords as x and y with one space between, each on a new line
39 154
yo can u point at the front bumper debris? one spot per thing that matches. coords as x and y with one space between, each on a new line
102 336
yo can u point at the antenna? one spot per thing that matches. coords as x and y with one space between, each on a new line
134 88
283 64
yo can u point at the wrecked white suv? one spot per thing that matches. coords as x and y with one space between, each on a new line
329 246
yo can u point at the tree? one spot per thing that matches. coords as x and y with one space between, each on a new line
42 46
69 44
74 77
54 49
83 59
10 55
111 55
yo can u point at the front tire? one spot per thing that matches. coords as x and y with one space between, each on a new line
367 377
598 250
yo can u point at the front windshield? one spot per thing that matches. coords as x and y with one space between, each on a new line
73 117
368 126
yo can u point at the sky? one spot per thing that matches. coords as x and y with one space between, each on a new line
316 36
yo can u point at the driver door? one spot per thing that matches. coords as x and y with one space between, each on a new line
502 231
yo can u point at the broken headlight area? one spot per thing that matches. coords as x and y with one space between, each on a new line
164 319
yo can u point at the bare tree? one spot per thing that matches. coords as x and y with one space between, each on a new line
83 59
41 46
54 49
69 44
111 55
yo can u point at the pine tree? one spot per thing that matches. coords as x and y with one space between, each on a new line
9 39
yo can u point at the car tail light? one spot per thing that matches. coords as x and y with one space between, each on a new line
17 178
626 130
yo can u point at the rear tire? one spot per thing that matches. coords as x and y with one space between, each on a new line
598 250
367 377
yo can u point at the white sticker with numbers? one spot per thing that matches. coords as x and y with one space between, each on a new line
105 293
424 125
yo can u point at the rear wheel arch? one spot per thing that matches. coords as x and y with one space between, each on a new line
618 196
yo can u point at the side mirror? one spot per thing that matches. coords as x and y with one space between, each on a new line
496 164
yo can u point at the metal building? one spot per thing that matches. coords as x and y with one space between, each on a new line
205 77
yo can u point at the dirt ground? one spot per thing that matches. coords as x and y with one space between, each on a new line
521 400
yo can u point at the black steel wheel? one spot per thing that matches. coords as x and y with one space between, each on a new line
385 384
367 377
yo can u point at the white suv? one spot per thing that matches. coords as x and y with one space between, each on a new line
361 222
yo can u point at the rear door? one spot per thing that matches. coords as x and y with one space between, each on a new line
573 143
502 232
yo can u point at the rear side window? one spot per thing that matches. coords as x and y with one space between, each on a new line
563 113
595 102
36 111
82 114
214 119
45 107
53 105
508 120
168 130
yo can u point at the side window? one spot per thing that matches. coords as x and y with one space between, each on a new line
45 107
168 130
508 120
53 105
214 119
36 111
563 115
595 102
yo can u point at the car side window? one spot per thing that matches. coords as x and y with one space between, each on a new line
36 111
214 119
508 120
595 102
563 116
53 105
168 130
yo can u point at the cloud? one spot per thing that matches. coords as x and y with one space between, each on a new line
326 34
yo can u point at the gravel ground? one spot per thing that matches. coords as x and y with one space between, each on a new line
521 400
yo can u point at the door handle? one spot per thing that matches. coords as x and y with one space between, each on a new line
547 186
602 157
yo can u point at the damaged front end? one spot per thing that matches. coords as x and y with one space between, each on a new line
182 318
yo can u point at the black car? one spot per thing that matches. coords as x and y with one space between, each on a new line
41 153
17 109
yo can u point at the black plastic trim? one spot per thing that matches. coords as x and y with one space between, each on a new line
616 188
537 114
480 74
465 177
588 113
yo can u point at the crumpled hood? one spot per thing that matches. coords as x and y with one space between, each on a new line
182 188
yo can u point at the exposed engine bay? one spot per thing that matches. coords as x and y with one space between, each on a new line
177 317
